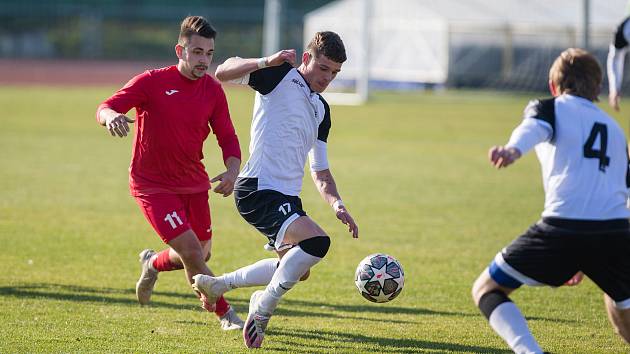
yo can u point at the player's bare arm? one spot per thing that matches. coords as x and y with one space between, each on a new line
228 178
501 156
116 123
235 67
327 187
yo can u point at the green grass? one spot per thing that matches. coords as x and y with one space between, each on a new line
411 168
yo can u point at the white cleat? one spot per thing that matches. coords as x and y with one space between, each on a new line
230 321
148 277
211 287
256 323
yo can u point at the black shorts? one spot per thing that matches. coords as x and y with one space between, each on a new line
269 211
553 250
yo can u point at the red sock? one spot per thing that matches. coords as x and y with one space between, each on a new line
162 262
222 307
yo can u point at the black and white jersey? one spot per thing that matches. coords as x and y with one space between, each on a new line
617 54
583 156
290 121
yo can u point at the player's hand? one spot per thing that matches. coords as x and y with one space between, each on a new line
345 217
286 55
226 185
502 157
118 124
575 280
613 100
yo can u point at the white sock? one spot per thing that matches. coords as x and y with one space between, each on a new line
293 265
256 274
509 323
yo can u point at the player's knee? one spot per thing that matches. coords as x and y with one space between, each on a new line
316 246
306 275
190 255
620 320
477 290
491 300
207 257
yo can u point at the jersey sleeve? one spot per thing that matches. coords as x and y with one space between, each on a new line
222 127
614 67
538 126
324 126
265 80
133 94
318 156
622 34
616 56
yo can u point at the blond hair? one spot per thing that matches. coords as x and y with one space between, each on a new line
577 72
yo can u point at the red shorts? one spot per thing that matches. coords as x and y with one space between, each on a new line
173 214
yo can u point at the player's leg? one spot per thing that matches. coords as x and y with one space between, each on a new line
619 317
191 254
542 256
282 253
197 210
310 245
153 263
168 214
607 264
502 314
168 260
258 209
256 274
164 212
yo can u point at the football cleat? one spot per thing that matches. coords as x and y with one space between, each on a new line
231 321
207 306
256 323
210 287
148 277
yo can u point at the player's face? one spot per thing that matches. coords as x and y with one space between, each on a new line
195 57
319 71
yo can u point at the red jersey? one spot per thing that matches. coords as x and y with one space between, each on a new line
174 117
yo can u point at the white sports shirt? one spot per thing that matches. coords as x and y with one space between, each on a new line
583 156
616 56
289 122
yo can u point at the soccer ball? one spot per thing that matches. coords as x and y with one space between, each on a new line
379 277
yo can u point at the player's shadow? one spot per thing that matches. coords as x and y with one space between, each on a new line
386 308
290 307
345 341
322 309
303 308
77 293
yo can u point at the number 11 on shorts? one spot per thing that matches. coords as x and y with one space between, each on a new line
171 218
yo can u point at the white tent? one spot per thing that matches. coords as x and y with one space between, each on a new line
418 40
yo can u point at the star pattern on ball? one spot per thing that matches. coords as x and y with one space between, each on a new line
381 274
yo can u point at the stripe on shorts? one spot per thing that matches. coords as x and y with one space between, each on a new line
500 264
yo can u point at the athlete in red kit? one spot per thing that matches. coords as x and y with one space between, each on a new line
176 108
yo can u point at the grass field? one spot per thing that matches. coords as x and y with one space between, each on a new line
411 168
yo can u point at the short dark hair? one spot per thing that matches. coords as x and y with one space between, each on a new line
329 44
577 72
195 25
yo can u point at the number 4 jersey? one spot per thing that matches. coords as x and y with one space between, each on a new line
583 155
